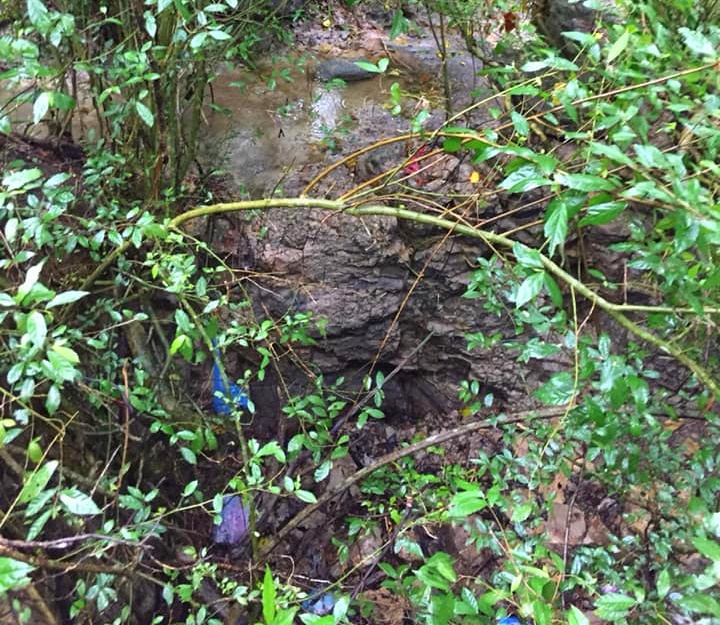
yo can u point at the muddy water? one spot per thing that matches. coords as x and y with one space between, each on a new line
264 136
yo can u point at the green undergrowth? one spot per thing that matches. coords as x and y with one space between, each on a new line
601 501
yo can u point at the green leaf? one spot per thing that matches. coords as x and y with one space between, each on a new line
576 617
612 152
649 156
36 328
77 502
52 401
524 179
66 353
38 14
322 471
182 9
219 35
268 597
67 297
614 607
41 106
272 449
188 455
602 213
553 291
521 512
145 114
521 125
466 503
556 224
558 390
698 42
527 256
530 288
37 481
34 451
709 548
542 614
20 179
701 604
371 67
584 182
619 46
31 278
190 488
663 584
14 574
306 496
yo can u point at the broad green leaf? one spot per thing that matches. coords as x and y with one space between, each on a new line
150 24
188 455
530 288
576 617
180 6
556 224
542 614
322 471
527 256
34 451
219 35
268 596
38 14
524 179
701 604
370 67
66 297
78 502
36 328
14 574
709 548
558 390
698 42
521 125
66 353
466 503
6 300
521 512
584 182
613 152
306 496
41 106
272 449
649 156
190 488
20 179
663 583
52 400
36 481
145 114
602 213
614 607
31 277
619 46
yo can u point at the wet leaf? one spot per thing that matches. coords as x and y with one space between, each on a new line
614 607
77 502
37 481
14 574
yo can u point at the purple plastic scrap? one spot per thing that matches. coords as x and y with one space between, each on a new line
234 525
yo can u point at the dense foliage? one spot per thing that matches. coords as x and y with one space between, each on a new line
110 306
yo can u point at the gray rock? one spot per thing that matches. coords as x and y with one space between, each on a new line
341 68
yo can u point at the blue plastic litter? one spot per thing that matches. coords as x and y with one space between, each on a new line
510 620
319 602
234 525
225 397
